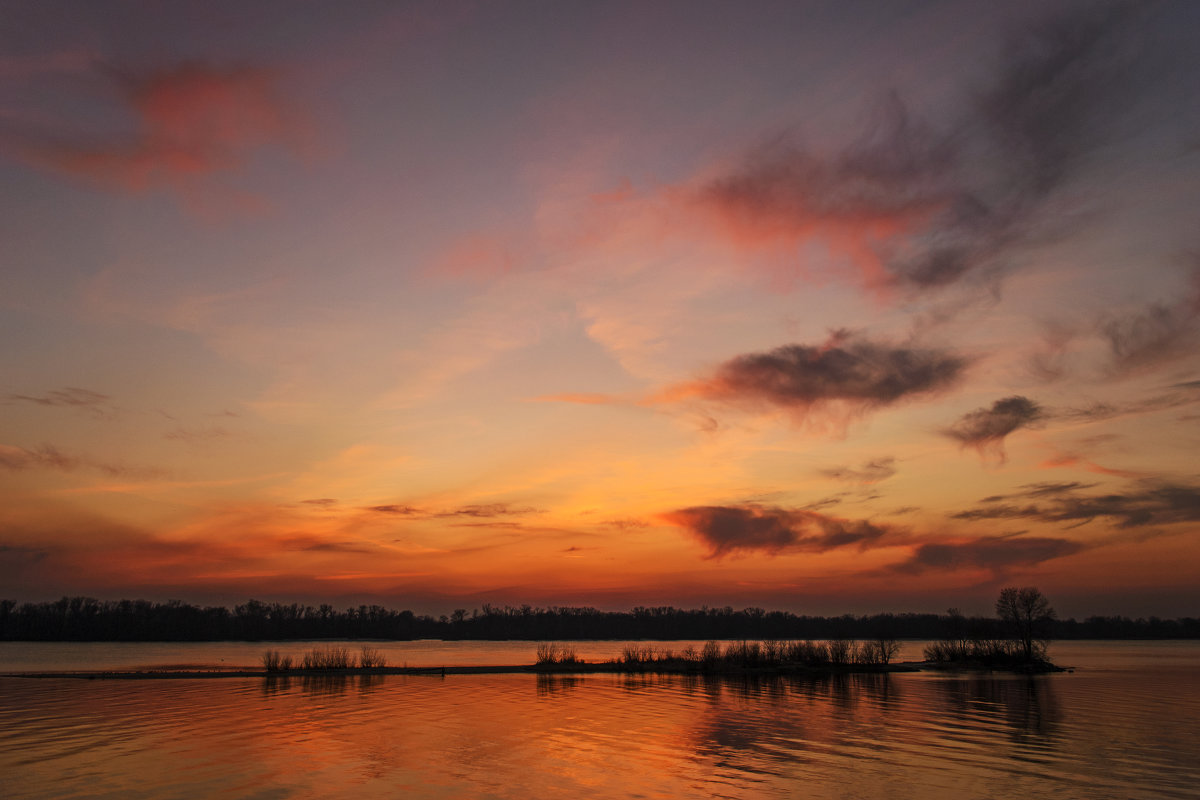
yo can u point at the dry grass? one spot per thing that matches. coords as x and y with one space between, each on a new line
371 658
328 658
751 654
274 661
550 653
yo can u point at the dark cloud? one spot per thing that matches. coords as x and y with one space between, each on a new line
996 554
727 529
322 502
919 206
985 429
1149 503
874 471
860 374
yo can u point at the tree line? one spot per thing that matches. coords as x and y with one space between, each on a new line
89 619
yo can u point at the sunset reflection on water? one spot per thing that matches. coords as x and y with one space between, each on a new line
519 736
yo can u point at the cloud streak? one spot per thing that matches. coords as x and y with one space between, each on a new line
879 469
1153 335
1150 503
69 397
49 457
918 207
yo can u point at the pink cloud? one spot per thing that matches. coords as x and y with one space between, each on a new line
191 120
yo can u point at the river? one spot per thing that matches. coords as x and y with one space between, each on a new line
1121 725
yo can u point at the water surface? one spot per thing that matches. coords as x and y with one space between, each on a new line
1121 726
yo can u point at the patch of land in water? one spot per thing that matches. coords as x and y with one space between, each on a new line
581 668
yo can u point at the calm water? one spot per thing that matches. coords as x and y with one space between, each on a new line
1123 725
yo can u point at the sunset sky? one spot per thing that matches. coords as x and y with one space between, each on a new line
819 306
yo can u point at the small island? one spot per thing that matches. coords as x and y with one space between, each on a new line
1024 615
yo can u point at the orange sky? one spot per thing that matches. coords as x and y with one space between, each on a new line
828 307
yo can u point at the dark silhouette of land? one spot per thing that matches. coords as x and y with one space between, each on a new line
1016 640
88 619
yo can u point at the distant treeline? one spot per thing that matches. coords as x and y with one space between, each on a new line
87 619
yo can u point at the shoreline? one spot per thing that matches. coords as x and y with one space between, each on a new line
599 668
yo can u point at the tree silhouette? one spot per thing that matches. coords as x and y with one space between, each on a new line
1027 614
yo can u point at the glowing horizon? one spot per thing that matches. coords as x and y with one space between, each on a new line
813 306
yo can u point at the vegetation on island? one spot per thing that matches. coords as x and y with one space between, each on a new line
734 656
325 659
1026 619
1023 613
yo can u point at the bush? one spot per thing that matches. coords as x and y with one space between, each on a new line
841 651
550 653
371 658
274 661
328 658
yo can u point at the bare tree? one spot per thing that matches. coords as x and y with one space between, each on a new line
1027 614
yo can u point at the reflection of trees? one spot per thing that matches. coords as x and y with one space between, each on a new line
762 720
548 685
332 684
276 684
1028 705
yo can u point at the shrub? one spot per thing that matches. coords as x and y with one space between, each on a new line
371 658
274 661
550 653
328 658
841 651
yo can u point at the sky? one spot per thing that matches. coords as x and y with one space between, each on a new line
829 307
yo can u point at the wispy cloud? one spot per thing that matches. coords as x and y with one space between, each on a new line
1153 335
874 471
49 457
913 205
94 403
189 120
1148 503
475 511
197 435
580 398
321 502
488 510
